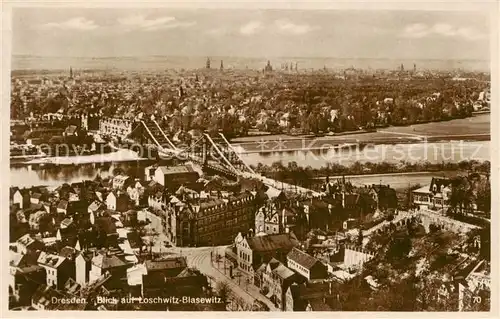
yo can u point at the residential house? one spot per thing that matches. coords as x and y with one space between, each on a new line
159 270
253 251
306 265
274 281
27 244
175 176
62 207
136 192
309 296
44 296
57 268
25 276
110 261
384 196
22 198
94 210
117 201
121 182
435 195
275 217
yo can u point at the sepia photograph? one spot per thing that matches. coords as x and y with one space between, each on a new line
250 159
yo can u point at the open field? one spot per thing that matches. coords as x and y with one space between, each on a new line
399 181
476 128
479 124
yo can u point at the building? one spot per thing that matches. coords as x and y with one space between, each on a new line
118 201
435 195
83 266
24 276
108 262
213 220
384 196
174 176
309 297
28 245
253 251
158 270
306 265
275 217
116 127
121 182
275 278
57 269
22 198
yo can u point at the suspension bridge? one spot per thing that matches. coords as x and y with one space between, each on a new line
214 153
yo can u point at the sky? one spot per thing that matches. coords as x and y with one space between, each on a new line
100 32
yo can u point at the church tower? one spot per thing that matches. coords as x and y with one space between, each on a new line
70 72
221 65
208 63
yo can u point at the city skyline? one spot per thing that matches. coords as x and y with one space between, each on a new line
251 33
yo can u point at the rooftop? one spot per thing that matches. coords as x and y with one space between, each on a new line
302 258
50 260
272 242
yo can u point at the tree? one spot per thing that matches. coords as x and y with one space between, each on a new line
483 197
360 237
223 291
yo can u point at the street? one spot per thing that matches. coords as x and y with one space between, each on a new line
199 258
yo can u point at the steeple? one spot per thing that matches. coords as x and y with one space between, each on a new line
208 63
70 72
221 64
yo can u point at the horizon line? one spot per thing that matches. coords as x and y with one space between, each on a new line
249 57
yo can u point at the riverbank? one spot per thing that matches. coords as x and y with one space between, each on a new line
403 173
122 155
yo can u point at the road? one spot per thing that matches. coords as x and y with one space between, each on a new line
199 258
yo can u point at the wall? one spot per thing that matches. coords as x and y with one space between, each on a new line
354 256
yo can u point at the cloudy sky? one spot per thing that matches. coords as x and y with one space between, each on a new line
95 32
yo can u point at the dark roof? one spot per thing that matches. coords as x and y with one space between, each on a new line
351 199
302 258
95 206
36 195
134 239
71 129
171 263
272 242
44 294
68 252
87 255
13 190
107 261
63 204
106 224
181 169
384 191
438 181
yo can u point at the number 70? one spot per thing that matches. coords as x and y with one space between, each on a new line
476 299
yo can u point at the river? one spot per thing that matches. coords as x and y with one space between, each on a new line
78 168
